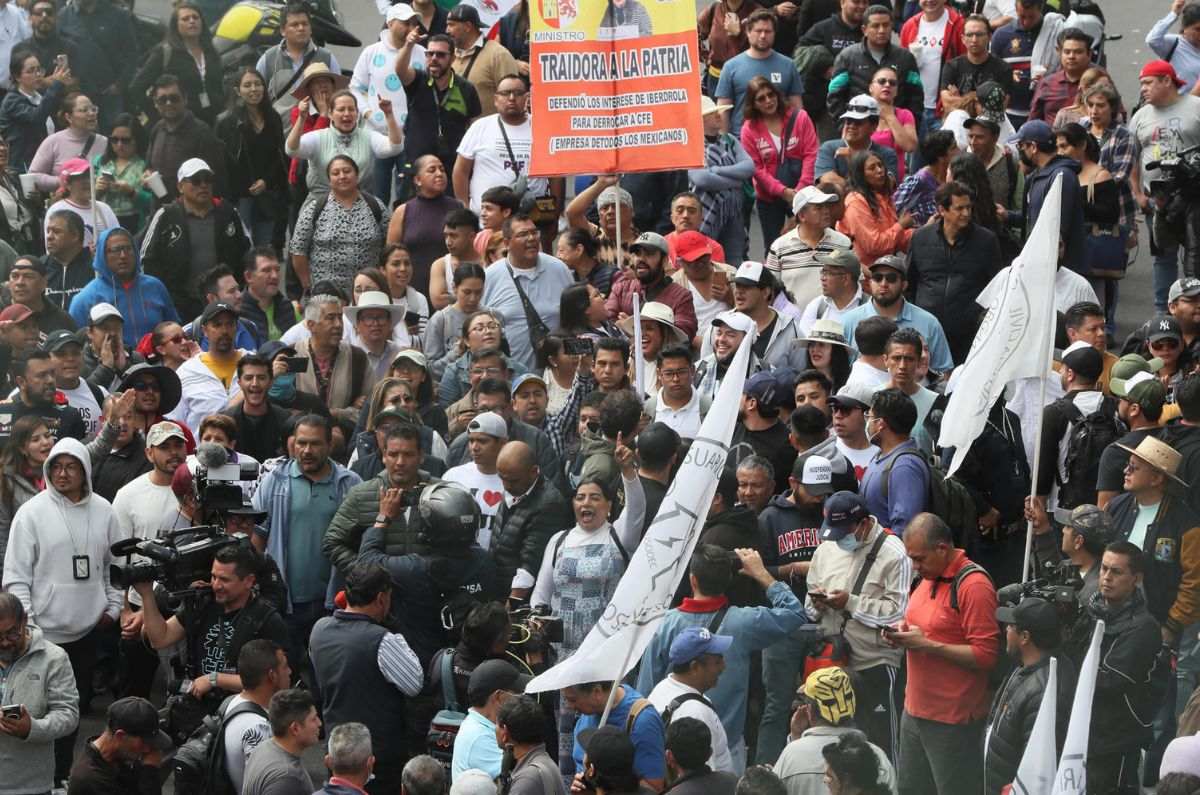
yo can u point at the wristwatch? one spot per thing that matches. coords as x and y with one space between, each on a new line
212 679
382 519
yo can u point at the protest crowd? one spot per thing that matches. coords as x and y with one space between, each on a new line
327 427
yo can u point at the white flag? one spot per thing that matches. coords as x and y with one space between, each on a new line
1072 769
1036 771
639 361
644 594
1015 338
490 12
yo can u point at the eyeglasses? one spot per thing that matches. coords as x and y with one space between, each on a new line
886 81
13 635
526 235
199 180
176 340
979 34
1132 467
376 318
671 375
485 371
168 99
124 249
65 468
512 93
486 327
890 278
762 97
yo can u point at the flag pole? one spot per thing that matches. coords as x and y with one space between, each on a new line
1037 456
612 692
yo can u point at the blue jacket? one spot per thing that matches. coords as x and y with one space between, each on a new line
1071 229
144 302
752 628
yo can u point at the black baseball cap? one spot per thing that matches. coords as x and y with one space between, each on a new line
137 717
1032 614
843 511
464 12
216 308
57 340
492 675
34 264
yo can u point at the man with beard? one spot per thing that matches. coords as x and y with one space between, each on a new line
437 93
125 758
889 281
1036 145
27 286
728 331
649 279
34 375
208 380
260 422
146 508
1032 634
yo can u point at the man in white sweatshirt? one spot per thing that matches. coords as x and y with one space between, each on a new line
57 565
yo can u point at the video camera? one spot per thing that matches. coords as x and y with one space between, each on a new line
1181 185
1059 586
218 482
177 559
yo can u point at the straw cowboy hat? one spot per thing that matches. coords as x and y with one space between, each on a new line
827 331
1159 455
312 72
659 313
373 299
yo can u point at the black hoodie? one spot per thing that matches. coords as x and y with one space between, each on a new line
790 533
737 527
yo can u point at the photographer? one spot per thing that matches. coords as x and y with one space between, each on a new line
217 626
1086 530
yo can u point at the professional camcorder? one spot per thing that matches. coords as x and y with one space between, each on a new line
1059 586
218 482
1180 184
176 560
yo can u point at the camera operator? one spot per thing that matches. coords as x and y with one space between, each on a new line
437 588
1032 634
216 626
1123 705
1086 531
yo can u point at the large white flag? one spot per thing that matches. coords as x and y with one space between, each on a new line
1016 336
1071 778
644 594
1036 771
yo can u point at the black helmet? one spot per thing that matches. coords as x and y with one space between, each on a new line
449 514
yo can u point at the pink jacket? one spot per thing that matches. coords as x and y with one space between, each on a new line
801 145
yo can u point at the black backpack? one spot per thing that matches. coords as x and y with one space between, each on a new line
443 729
199 764
948 497
1086 439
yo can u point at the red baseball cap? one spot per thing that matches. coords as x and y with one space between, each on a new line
1161 69
16 313
692 245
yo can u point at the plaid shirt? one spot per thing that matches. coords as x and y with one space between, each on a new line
1053 93
1118 153
562 426
917 194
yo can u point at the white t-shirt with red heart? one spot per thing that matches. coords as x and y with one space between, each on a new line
488 492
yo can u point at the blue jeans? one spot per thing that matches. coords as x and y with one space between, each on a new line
782 665
1166 272
771 217
732 237
260 225
1187 667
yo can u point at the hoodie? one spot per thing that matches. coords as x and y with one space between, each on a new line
375 65
143 301
1073 234
58 555
734 529
43 682
790 533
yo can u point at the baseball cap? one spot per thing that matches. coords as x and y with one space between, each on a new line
991 96
526 378
392 412
762 386
810 195
102 311
1188 286
1083 359
983 121
161 431
1130 365
57 340
489 422
896 262
1030 613
753 274
492 675
651 240
1161 69
1033 132
1089 521
1142 389
815 474
464 12
401 12
191 167
695 641
74 167
854 395
1164 327
1182 755
611 195
692 245
269 350
843 511
137 717
16 313
863 106
833 693
843 258
216 308
34 264
734 320
608 749
411 355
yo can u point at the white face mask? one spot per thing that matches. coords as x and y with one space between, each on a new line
871 437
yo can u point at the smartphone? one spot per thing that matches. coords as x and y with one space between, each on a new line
297 364
11 712
60 61
578 346
888 630
412 318
818 596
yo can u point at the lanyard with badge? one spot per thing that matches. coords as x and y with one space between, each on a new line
81 562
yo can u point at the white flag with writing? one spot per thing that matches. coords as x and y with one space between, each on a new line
1071 778
1016 336
644 594
1036 771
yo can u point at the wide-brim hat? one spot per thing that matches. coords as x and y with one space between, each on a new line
312 72
1158 454
825 330
169 388
374 299
659 313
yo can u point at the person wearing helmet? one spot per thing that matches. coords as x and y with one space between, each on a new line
434 591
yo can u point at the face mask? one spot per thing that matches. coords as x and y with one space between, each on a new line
847 543
283 388
871 437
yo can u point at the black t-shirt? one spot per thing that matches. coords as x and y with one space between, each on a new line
966 76
437 120
655 492
764 338
63 421
1111 475
213 629
773 445
91 775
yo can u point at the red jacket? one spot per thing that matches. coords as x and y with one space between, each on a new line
801 145
953 45
679 298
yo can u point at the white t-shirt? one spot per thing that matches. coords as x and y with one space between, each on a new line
931 36
995 9
145 510
484 144
871 376
667 691
859 459
82 399
104 219
1141 523
706 310
488 492
242 735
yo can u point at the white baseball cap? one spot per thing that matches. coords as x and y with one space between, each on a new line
103 310
402 12
191 167
816 475
735 320
810 195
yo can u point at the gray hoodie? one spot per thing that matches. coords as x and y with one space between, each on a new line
58 555
41 679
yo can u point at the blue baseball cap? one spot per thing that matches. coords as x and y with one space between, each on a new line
843 511
763 387
695 641
1034 132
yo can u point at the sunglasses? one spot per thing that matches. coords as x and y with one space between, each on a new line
436 54
890 278
1166 343
885 81
146 386
168 99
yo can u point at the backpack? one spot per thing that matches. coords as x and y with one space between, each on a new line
372 202
678 702
199 764
612 534
948 499
1086 439
443 729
